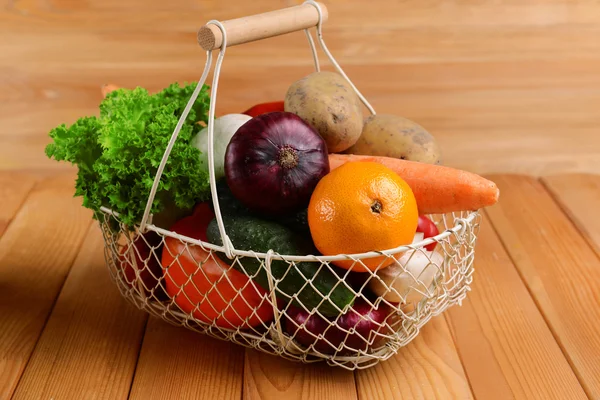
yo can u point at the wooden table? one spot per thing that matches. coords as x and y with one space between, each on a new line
529 329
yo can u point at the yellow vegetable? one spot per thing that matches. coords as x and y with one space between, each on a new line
328 103
392 136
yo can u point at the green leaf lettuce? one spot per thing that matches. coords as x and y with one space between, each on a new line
118 153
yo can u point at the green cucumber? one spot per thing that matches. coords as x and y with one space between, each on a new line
229 205
251 233
298 222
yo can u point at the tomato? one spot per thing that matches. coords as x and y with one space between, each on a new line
139 255
216 293
428 228
264 108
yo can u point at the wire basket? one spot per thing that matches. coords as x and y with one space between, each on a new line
184 291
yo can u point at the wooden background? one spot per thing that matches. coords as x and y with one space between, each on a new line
505 85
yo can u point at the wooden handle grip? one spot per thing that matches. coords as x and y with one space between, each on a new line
261 26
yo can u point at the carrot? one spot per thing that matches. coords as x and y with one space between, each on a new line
437 189
106 89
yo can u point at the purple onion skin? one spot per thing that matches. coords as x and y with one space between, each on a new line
334 331
274 162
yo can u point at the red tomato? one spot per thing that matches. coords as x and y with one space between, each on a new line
428 228
264 108
217 293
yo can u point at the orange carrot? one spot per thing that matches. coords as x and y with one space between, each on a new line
437 189
106 89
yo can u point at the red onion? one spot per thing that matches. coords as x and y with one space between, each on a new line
139 255
274 161
368 331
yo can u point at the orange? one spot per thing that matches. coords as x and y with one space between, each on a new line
361 207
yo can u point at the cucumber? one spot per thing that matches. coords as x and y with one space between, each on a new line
298 222
228 204
250 233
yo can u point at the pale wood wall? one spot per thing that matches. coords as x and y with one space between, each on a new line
505 85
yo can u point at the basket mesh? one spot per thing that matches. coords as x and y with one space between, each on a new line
189 285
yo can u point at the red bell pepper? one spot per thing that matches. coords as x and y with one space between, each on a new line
428 228
216 292
264 108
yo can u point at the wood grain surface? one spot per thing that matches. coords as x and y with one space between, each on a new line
427 368
560 269
36 253
13 190
90 344
269 377
504 343
176 363
579 197
518 74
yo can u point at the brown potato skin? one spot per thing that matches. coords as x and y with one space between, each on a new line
328 103
392 136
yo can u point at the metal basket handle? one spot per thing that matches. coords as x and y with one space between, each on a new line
216 35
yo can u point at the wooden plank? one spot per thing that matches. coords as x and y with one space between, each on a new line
268 377
162 48
579 197
561 271
346 14
73 92
14 188
459 14
504 343
427 368
520 72
89 347
527 117
36 253
176 363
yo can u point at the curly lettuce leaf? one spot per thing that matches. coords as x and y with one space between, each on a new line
118 153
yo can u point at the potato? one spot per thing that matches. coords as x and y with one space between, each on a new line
393 136
328 103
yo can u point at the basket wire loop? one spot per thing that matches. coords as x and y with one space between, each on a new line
332 59
313 50
464 224
273 295
453 231
167 153
227 245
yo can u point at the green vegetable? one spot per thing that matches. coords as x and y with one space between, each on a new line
298 221
230 205
250 233
118 153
